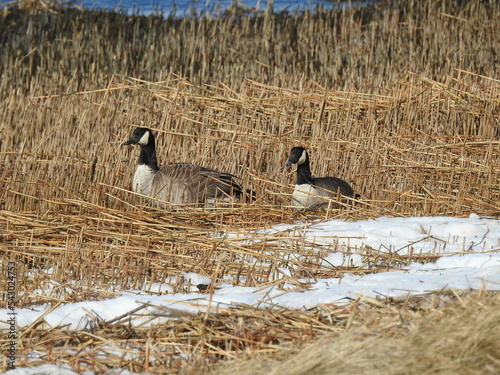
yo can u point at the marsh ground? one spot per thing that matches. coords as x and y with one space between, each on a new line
400 99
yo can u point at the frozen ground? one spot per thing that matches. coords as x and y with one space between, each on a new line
469 250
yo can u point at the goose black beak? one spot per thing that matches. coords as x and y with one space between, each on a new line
129 142
288 163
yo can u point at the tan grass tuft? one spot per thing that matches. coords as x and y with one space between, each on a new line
455 339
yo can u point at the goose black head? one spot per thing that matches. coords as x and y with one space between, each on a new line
140 136
298 155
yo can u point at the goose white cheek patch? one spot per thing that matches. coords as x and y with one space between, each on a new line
302 158
144 139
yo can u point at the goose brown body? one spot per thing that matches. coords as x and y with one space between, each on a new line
179 183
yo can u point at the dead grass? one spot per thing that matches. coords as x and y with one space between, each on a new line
364 49
453 338
403 152
446 333
68 216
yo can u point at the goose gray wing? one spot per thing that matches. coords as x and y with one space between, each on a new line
330 186
173 183
179 183
214 184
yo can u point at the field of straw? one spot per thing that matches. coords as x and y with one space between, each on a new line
401 99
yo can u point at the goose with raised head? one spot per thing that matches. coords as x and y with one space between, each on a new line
177 183
314 192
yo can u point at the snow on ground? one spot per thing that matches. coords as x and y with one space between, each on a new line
49 369
422 234
470 259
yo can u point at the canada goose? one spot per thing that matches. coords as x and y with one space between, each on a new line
309 190
177 183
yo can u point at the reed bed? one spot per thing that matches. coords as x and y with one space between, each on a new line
364 49
76 231
422 143
413 136
448 339
259 341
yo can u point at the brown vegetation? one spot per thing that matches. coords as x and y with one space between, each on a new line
451 339
402 101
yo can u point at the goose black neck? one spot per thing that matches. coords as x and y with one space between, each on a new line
148 154
304 173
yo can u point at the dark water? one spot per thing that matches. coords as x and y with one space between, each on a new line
213 7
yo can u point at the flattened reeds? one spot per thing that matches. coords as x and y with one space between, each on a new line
258 341
66 205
